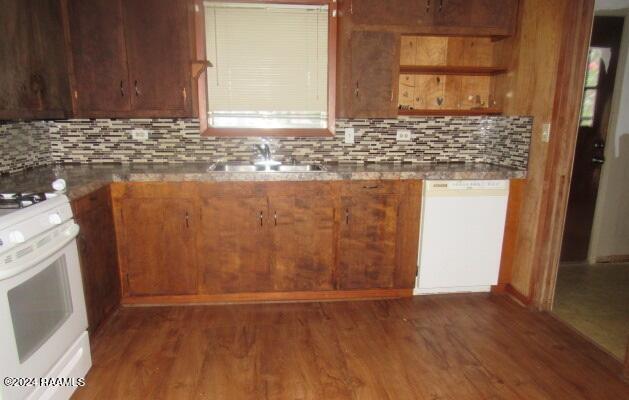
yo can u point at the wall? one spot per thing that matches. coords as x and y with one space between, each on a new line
498 140
532 56
610 231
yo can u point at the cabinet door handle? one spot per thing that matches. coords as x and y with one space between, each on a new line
371 187
137 89
187 220
347 216
275 217
427 6
356 90
121 89
440 5
261 219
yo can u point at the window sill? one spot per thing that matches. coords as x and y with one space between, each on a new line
261 132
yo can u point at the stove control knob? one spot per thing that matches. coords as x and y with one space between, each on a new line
16 237
59 185
54 219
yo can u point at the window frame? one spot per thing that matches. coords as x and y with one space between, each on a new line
200 75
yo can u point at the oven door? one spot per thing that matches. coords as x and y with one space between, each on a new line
42 308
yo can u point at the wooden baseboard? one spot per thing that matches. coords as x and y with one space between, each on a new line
269 297
613 259
515 294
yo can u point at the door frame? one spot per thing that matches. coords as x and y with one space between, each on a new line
577 22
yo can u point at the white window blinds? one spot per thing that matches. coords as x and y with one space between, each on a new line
269 61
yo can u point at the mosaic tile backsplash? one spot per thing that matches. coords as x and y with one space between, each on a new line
24 145
499 140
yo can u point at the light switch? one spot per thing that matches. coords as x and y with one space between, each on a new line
546 133
349 135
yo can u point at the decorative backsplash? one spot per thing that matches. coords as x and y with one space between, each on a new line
495 139
24 145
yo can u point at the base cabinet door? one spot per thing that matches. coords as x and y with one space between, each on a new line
97 252
302 241
233 245
368 241
159 258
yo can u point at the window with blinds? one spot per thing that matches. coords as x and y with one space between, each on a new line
270 65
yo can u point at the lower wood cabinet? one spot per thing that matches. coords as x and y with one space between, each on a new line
265 240
368 241
232 244
97 252
158 255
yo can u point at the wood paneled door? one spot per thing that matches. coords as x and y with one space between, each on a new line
158 258
101 78
233 244
303 238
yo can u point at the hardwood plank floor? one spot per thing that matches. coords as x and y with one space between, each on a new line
435 347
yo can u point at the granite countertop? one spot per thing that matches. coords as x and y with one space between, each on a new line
83 179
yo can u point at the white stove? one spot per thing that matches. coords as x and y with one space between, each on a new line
44 347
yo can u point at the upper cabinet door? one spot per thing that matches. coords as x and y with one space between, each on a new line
375 64
101 86
410 13
158 56
33 76
483 17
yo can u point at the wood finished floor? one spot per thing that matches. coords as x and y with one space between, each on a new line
443 347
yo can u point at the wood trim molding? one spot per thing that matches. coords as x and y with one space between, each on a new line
516 295
259 297
613 259
577 21
206 130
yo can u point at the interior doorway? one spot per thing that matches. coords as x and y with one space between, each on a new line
593 297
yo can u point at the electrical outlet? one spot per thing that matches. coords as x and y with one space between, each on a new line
139 134
349 135
546 133
403 135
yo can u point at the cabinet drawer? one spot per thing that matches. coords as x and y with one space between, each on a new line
173 190
373 187
231 189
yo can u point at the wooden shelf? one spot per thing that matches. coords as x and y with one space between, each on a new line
450 70
475 111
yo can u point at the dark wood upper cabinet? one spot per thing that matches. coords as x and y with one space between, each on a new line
101 78
130 58
375 63
156 33
411 13
33 78
478 17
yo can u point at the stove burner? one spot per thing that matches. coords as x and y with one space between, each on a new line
21 200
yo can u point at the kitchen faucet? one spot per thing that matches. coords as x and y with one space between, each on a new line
264 151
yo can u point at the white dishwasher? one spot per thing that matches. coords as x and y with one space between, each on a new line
462 227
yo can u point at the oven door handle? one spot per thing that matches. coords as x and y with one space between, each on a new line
69 234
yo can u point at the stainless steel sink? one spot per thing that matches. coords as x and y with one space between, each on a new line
299 168
220 167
